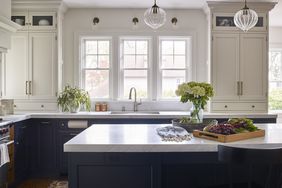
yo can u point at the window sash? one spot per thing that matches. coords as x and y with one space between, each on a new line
161 68
84 69
148 70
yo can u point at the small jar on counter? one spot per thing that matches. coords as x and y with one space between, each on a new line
97 107
104 107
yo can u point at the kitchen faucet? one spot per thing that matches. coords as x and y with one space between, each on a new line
135 104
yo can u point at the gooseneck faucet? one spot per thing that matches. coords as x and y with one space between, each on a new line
135 103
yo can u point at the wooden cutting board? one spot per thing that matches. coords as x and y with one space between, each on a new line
228 138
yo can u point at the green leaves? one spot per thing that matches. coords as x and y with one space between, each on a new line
73 97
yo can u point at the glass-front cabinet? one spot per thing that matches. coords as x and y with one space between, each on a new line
225 21
35 20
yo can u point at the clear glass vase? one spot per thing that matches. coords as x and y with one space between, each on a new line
197 113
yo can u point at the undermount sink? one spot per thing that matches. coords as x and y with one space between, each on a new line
136 113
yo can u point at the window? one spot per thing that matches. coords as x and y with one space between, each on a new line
96 64
275 79
173 65
134 66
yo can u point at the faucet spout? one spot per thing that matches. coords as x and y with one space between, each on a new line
135 103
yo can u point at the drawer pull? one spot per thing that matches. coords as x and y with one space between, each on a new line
253 106
45 122
73 134
225 106
62 124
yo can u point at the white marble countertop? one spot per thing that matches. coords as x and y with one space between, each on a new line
144 138
130 115
139 114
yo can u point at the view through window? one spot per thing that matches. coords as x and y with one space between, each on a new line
134 63
275 79
96 67
173 65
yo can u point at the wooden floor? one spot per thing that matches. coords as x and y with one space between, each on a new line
36 183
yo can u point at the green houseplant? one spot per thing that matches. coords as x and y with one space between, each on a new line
71 99
198 93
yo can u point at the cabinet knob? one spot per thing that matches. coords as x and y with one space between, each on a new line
253 106
15 106
225 106
62 124
42 106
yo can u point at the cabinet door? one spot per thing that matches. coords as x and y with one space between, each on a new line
42 20
63 137
21 151
47 147
253 66
225 66
42 65
16 68
21 18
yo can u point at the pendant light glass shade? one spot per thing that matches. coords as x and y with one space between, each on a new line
155 16
246 18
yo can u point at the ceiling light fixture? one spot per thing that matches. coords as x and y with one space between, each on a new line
246 18
155 16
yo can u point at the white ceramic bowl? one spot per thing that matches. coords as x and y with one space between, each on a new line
43 22
19 21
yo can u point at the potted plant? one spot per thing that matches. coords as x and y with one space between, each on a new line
71 99
198 93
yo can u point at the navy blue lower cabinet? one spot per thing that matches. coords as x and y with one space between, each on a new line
46 147
63 137
104 170
21 151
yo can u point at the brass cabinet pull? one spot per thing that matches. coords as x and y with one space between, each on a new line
26 83
29 87
241 88
238 88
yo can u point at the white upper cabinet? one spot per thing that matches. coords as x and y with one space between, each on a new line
42 65
35 20
225 67
239 60
15 68
30 67
253 67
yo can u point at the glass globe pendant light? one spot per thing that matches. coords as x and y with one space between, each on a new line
246 18
155 16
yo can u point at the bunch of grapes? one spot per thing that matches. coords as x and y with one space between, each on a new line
224 128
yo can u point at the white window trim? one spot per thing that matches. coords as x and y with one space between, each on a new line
81 61
149 68
115 34
188 68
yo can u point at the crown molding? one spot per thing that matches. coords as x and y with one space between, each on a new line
57 5
216 6
7 25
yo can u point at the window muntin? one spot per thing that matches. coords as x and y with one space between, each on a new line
173 65
134 66
275 79
95 67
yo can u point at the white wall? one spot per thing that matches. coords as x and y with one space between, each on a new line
119 22
111 20
5 8
275 37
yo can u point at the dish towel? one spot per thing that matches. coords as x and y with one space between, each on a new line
173 133
4 154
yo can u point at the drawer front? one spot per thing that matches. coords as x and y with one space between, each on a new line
247 107
29 106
